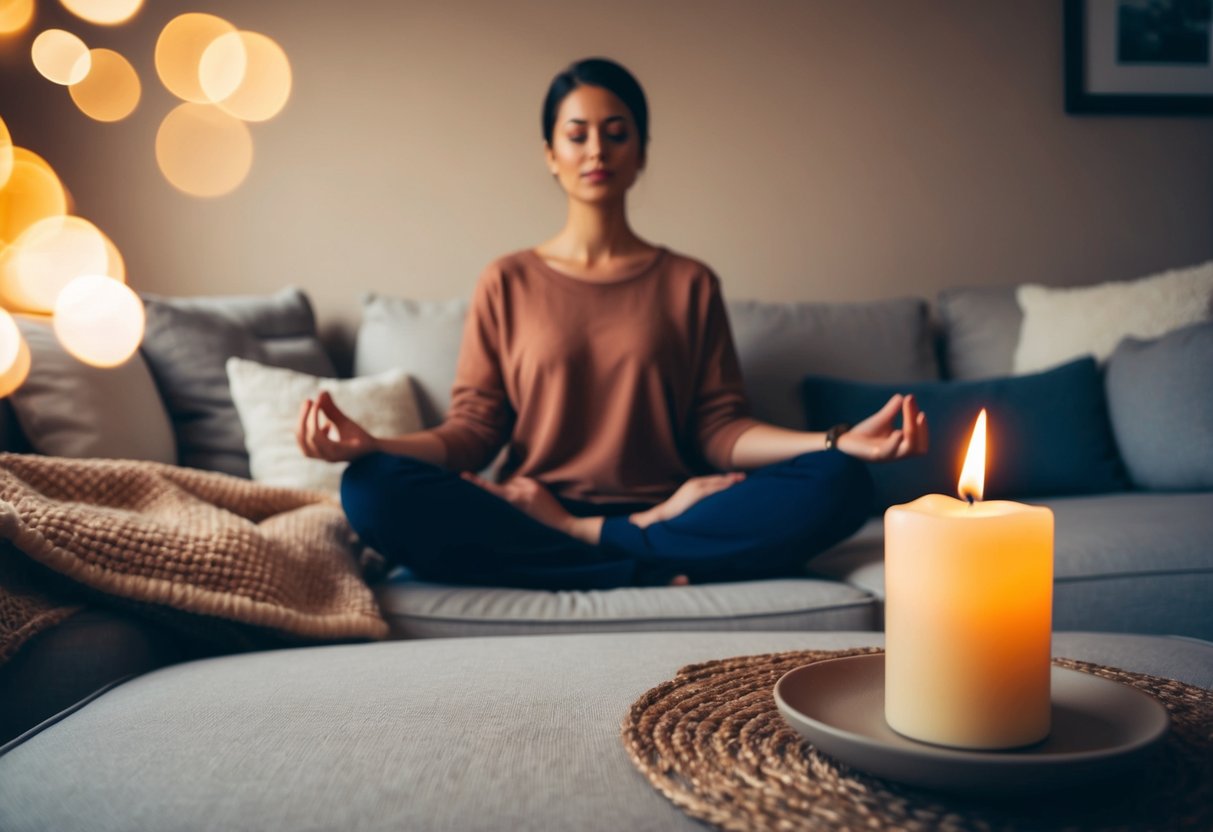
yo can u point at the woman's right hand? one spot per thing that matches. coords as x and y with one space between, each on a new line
324 432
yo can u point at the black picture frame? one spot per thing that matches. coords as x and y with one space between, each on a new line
1151 95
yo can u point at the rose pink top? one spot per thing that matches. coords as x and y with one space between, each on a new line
606 391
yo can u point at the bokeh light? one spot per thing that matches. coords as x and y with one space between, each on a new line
14 355
48 256
32 193
15 15
103 12
247 74
61 57
111 90
6 154
179 50
203 151
99 320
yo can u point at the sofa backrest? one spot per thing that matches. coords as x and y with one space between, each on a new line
778 344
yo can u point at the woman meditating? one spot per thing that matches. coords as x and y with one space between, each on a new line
605 365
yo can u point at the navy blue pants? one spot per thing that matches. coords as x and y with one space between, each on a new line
446 529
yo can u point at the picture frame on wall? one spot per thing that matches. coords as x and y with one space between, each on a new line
1139 57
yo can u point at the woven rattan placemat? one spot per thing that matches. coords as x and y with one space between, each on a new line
713 742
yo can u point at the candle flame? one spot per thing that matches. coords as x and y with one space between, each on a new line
973 474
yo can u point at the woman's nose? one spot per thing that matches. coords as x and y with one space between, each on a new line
594 145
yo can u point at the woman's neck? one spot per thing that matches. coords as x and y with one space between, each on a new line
595 235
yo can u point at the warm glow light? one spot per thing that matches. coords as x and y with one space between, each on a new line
6 154
99 320
15 15
247 74
973 474
111 90
32 193
61 57
104 12
14 355
179 50
203 151
48 256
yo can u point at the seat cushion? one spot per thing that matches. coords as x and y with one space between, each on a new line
459 734
1132 562
421 610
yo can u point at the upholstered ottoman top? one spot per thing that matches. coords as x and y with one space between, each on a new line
456 734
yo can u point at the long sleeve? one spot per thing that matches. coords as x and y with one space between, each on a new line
480 417
720 412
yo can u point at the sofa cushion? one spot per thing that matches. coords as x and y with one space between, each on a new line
1061 324
186 344
421 610
979 328
67 408
1130 562
468 734
268 400
1160 399
417 336
780 343
1048 432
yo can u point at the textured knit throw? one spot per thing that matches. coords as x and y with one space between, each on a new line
194 541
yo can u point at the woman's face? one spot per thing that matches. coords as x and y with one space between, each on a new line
595 152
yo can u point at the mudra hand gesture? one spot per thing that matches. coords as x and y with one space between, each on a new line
876 440
324 432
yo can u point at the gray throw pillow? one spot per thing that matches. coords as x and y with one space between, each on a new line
187 344
1160 400
980 327
418 336
67 408
778 344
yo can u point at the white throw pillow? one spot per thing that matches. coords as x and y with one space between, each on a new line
268 400
1062 324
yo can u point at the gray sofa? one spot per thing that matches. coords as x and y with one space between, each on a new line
1131 561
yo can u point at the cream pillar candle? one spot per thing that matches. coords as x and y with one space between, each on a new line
968 617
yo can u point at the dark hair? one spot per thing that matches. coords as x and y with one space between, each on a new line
597 72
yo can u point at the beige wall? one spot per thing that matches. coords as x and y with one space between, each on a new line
848 149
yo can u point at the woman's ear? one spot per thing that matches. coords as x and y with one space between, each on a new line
550 158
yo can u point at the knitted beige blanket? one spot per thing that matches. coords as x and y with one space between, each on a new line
189 540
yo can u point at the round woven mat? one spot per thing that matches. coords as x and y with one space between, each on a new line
713 742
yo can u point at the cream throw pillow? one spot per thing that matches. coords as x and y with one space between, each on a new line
1062 324
268 400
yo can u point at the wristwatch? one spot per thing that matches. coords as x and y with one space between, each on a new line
833 433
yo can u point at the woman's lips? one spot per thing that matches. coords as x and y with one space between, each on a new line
597 175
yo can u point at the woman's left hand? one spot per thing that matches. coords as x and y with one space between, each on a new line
876 440
528 496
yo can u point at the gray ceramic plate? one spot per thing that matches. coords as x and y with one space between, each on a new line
1099 728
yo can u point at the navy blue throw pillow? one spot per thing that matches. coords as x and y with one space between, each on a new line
1049 432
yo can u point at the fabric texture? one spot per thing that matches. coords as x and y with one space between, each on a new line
1160 399
606 391
187 342
780 343
1048 433
1062 324
417 336
193 541
268 400
475 735
979 328
417 609
67 408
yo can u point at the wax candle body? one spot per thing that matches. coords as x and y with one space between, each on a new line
968 621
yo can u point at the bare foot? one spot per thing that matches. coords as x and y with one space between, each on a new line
680 580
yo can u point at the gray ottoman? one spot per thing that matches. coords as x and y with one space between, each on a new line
448 734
